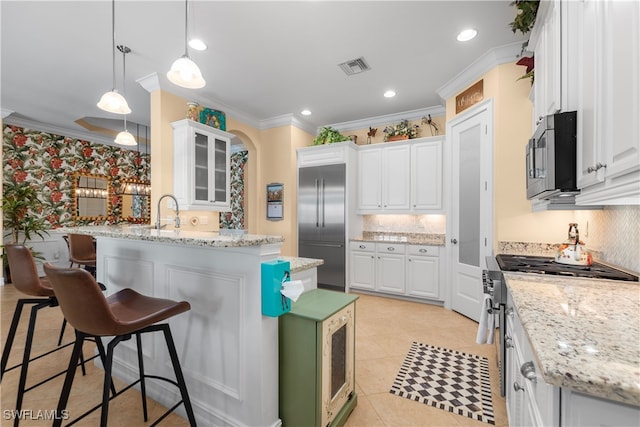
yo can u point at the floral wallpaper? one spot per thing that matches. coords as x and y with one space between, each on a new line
235 218
48 162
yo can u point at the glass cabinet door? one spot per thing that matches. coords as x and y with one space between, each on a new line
201 156
221 167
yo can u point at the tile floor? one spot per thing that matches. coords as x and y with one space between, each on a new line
385 329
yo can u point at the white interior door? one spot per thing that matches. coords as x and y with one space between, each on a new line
470 231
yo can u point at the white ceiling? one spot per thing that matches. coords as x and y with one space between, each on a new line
265 58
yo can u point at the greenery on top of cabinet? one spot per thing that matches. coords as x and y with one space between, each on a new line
329 135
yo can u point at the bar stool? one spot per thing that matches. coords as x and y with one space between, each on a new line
120 315
82 252
24 276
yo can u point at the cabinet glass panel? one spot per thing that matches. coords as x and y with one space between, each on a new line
201 167
469 201
338 360
220 171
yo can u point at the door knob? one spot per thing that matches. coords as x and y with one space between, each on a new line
454 241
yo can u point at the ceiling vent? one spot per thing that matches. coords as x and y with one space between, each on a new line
355 66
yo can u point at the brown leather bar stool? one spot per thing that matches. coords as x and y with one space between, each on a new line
82 252
24 277
120 315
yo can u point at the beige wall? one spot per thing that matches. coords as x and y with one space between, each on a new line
272 158
513 217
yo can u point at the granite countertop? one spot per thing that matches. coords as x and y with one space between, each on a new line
298 264
218 239
585 333
408 238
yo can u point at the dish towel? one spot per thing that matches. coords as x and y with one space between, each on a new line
487 323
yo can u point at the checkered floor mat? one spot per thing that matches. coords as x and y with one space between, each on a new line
446 379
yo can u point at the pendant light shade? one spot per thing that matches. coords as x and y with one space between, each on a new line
184 72
125 138
112 101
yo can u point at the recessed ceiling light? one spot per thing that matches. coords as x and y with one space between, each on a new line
389 94
197 44
466 35
305 112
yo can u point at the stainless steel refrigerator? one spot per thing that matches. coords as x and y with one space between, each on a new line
321 221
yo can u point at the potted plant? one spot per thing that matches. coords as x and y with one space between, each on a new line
329 135
402 130
19 201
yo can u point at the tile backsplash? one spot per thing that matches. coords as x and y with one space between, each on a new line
427 224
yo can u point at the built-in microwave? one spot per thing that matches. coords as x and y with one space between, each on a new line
551 158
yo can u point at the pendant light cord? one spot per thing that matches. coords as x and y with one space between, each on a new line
113 42
186 11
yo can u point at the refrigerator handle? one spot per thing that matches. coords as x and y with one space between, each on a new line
317 204
323 194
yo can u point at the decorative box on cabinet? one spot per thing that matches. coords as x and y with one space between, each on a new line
317 358
201 163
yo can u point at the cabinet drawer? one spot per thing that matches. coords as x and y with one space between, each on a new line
423 250
362 246
390 248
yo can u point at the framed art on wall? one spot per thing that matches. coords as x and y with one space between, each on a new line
275 201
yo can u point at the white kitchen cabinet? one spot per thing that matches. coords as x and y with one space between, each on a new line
384 178
201 163
607 38
579 410
423 271
426 175
530 401
363 265
394 268
401 177
390 270
546 43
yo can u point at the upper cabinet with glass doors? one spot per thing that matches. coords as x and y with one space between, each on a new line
201 166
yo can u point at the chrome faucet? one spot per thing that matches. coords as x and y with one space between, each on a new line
177 221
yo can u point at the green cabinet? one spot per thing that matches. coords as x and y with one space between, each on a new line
317 360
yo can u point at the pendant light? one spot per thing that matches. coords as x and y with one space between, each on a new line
113 102
184 72
124 137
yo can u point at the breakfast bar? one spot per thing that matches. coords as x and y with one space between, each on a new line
227 348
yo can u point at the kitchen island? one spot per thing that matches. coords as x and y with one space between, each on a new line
227 348
585 337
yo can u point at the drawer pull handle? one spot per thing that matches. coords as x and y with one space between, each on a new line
517 387
391 249
424 251
528 370
362 247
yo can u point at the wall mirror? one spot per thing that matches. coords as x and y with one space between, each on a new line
90 197
136 198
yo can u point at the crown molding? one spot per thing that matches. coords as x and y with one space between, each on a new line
389 118
5 113
287 120
492 58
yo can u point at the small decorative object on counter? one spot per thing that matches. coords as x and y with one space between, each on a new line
573 250
193 111
402 130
